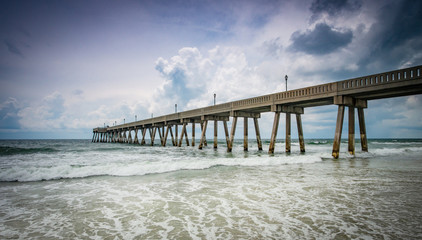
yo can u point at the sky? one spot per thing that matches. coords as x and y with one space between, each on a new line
67 67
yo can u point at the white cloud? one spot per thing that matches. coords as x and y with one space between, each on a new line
192 78
45 114
9 118
59 112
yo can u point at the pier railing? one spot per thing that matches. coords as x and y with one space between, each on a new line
380 79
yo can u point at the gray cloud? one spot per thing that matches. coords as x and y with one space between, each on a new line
12 48
333 7
320 41
272 47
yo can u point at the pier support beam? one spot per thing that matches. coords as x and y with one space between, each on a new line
245 115
351 140
277 109
232 132
193 134
173 140
351 103
161 135
258 134
124 136
300 132
362 128
203 135
184 134
226 132
202 129
176 133
274 132
288 132
129 140
339 128
152 134
166 135
144 133
215 133
245 134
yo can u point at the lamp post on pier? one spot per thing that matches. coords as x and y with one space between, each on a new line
215 95
286 81
136 118
175 108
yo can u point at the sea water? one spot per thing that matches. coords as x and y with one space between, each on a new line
75 189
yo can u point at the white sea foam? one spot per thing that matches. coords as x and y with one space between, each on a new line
132 166
129 160
233 195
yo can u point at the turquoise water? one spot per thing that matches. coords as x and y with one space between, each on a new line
75 189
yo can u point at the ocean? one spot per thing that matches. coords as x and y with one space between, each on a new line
75 189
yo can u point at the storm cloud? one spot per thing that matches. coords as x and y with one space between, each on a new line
320 41
333 7
395 38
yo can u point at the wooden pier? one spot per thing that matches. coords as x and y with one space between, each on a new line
352 93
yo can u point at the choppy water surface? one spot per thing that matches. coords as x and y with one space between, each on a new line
78 189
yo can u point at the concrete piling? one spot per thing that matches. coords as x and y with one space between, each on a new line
288 132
